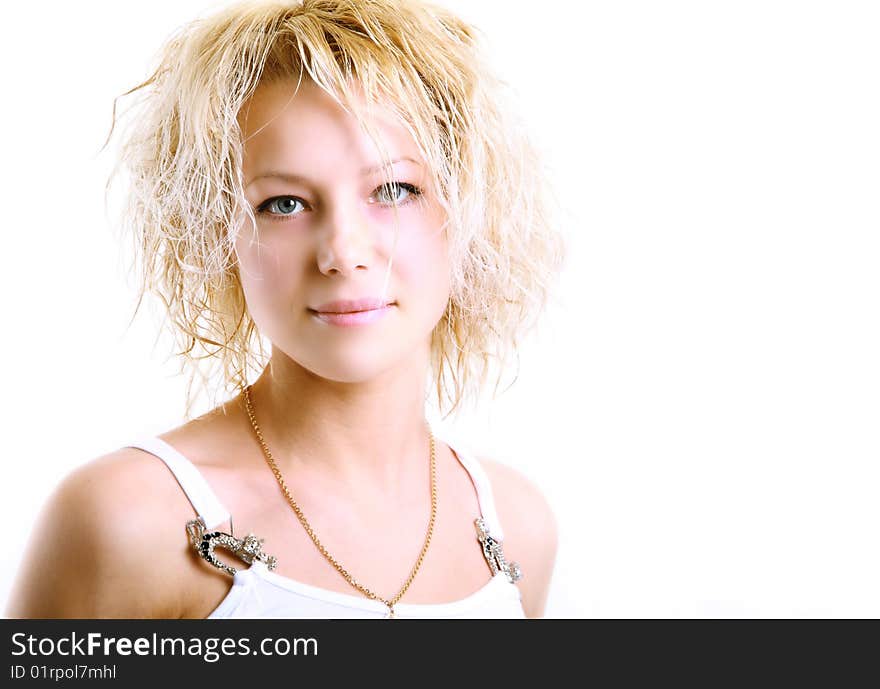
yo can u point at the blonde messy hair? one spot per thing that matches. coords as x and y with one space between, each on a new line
184 197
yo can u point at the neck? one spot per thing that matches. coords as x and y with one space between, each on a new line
369 435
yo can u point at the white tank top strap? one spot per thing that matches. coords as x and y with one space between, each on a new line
200 494
485 498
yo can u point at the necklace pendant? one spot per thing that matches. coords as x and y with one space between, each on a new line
494 554
390 615
247 549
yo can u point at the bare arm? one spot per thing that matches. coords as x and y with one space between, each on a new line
87 556
530 533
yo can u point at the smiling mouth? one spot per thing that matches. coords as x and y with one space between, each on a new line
343 306
353 318
342 313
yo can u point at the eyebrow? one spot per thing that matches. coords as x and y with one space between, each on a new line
300 179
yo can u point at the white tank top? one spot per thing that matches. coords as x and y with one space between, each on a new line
258 592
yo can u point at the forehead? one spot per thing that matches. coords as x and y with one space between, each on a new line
284 124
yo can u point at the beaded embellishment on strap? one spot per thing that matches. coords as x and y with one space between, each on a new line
248 549
494 554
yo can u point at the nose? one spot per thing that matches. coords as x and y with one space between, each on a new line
345 244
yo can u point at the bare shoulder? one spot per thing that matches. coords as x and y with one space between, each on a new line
103 543
530 531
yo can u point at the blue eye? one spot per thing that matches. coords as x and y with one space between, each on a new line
283 206
397 193
286 207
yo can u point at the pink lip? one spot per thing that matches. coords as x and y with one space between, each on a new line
350 312
351 305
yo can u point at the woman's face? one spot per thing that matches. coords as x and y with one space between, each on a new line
325 233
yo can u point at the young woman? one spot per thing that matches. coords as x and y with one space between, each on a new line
340 180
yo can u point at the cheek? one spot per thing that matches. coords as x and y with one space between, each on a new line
423 264
267 273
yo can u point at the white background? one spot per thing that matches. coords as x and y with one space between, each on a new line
701 404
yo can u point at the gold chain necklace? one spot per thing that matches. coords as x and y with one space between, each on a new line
367 592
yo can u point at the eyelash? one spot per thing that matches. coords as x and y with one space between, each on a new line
263 209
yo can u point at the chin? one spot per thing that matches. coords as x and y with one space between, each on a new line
348 367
